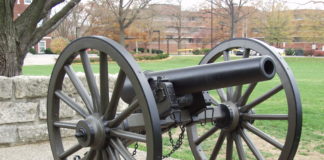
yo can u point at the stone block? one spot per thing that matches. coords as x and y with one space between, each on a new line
65 110
68 86
5 87
33 133
8 134
17 112
31 86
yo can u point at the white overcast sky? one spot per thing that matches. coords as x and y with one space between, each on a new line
292 4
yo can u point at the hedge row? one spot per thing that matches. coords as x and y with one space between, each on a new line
200 51
137 57
301 52
142 50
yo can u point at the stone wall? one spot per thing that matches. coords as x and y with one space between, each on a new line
23 108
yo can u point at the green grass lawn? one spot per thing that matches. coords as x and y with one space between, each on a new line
309 73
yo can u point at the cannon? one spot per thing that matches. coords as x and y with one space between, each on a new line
245 107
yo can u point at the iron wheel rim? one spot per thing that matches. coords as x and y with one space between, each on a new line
131 69
288 84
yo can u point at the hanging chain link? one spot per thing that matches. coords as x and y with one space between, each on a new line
178 143
135 149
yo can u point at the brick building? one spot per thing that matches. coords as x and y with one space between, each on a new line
196 29
19 8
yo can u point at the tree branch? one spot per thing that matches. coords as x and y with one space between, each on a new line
53 22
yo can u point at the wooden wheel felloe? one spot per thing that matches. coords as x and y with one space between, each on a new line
253 109
99 133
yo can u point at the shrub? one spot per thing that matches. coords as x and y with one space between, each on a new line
33 51
205 50
150 56
157 51
140 50
48 51
318 53
92 51
196 52
58 44
299 52
289 52
200 51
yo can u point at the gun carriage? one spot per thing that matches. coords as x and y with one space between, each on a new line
210 100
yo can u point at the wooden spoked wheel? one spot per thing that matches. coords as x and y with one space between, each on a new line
264 119
100 132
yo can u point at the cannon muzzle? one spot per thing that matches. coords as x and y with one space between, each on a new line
211 76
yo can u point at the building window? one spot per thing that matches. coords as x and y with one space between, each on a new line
28 1
18 1
191 40
41 46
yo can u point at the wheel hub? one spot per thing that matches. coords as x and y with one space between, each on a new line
231 119
91 132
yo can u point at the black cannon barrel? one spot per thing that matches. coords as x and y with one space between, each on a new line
213 76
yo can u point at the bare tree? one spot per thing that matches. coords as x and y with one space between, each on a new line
177 15
232 10
74 24
125 12
20 34
275 22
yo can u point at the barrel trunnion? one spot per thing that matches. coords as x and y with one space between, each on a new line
214 102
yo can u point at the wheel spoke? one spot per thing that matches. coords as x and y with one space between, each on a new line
239 146
229 147
71 103
248 116
238 89
128 135
246 53
104 82
226 55
91 80
80 88
229 91
112 108
111 153
237 93
218 145
251 145
70 151
206 135
65 125
98 155
263 135
118 145
104 154
222 94
246 95
262 98
123 115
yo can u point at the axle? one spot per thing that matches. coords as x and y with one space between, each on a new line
211 76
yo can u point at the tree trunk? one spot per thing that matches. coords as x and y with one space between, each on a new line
179 45
122 36
233 24
8 58
9 50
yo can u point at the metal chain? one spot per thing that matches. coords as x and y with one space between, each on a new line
135 149
178 144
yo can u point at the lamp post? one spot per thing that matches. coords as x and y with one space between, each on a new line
168 38
159 38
